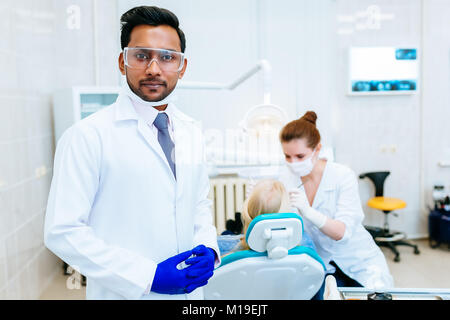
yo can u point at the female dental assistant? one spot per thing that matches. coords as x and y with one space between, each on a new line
326 196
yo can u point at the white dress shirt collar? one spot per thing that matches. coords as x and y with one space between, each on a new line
147 110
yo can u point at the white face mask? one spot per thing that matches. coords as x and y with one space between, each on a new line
302 168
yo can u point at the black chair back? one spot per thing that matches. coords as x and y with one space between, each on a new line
378 179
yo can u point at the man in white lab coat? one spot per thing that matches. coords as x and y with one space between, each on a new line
128 202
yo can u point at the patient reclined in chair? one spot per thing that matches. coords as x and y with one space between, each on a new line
274 266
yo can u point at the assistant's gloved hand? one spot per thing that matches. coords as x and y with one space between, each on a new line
298 199
169 279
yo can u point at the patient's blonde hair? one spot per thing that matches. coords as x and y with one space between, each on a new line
268 196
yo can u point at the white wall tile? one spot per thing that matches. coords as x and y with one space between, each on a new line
13 289
7 218
12 266
38 54
26 284
3 276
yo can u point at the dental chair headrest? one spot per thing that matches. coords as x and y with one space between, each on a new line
275 233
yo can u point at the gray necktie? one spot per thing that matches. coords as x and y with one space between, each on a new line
161 122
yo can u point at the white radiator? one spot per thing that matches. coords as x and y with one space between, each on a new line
227 195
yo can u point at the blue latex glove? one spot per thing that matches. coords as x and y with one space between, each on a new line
203 262
171 280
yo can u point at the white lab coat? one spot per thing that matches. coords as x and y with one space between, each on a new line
356 253
115 210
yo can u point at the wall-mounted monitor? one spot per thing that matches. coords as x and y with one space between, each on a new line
383 70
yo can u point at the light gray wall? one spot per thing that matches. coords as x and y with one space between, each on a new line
406 135
38 54
435 115
366 124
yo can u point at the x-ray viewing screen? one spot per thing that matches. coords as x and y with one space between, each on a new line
383 70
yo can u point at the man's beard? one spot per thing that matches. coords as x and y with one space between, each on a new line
141 95
144 97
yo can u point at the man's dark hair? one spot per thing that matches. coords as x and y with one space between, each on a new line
148 15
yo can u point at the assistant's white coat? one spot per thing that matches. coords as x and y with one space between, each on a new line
356 253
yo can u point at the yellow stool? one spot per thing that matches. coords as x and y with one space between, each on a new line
386 204
383 236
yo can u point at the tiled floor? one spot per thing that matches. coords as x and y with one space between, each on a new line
429 269
64 288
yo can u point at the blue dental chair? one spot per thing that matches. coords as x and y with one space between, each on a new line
275 267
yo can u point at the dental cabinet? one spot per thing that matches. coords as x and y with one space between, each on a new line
73 104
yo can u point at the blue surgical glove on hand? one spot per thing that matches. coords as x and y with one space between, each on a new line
169 279
202 263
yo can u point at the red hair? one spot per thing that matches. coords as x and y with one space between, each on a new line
305 127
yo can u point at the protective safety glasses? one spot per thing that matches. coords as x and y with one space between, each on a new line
142 58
